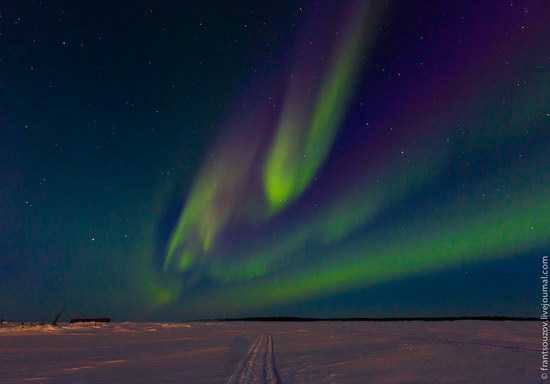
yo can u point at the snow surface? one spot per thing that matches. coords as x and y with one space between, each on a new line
301 352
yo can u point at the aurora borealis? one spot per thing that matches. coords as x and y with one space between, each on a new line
317 158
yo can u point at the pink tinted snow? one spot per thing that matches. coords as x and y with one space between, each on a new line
318 352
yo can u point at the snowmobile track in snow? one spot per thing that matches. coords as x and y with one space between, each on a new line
258 365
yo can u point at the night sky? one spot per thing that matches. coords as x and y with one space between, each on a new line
178 160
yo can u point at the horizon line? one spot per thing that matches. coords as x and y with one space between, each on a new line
421 318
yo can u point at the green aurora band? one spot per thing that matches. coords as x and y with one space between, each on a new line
302 142
297 146
501 213
406 253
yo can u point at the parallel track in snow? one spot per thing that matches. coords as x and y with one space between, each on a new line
258 365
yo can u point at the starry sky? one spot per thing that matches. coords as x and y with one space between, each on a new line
183 160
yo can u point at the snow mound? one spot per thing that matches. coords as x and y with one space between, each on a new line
29 328
175 325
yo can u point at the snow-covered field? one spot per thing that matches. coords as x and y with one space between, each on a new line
297 352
